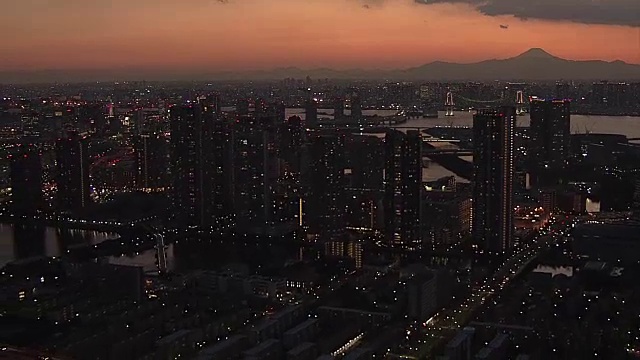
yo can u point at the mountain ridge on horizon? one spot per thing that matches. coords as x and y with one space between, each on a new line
533 64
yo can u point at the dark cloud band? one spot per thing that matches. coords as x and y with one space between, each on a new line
611 12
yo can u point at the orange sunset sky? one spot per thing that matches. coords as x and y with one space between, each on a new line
262 34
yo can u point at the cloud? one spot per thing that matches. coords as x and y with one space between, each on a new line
610 12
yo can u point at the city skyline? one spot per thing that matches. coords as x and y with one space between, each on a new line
249 35
244 220
320 179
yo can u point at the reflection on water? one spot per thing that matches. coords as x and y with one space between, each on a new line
328 113
21 241
145 259
625 125
189 254
435 171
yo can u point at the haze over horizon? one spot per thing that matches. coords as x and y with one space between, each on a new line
240 35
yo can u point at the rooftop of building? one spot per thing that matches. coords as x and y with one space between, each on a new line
256 350
222 345
626 230
173 337
357 353
301 326
301 349
498 341
458 339
11 353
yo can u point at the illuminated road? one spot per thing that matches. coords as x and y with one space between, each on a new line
445 324
112 159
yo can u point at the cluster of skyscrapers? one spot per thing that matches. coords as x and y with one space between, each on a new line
71 179
494 165
253 170
493 134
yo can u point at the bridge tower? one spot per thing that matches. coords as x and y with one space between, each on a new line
110 107
520 103
449 105
160 247
161 254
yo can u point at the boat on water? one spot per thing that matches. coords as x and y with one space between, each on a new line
430 113
416 112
